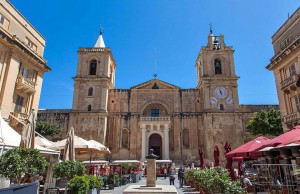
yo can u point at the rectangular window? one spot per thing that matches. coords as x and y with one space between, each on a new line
31 44
19 104
1 19
24 72
154 112
292 70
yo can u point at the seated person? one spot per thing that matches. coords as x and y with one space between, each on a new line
246 181
28 178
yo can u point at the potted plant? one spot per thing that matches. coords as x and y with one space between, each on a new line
125 167
188 177
124 179
99 184
110 181
215 180
17 162
116 179
78 185
68 170
92 183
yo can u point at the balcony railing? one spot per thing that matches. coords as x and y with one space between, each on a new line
25 84
291 118
289 83
151 119
20 117
93 49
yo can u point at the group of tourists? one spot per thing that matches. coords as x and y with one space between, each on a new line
172 173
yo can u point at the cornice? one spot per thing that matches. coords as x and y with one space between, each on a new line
15 43
277 58
98 50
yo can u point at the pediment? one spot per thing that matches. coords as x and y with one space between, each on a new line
155 84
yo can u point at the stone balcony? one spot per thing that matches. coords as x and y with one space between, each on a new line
25 85
155 120
291 118
289 83
16 119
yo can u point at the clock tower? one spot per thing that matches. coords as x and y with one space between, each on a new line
216 75
217 82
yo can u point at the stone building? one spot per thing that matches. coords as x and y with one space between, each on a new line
285 65
22 65
155 114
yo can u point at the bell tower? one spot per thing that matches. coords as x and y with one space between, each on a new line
216 76
95 75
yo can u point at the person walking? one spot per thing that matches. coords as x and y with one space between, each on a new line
172 176
181 176
165 172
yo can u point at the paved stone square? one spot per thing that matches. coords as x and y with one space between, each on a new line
159 181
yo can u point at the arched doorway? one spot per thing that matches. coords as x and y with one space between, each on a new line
155 143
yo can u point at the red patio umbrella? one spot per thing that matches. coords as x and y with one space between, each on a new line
216 156
288 137
250 148
201 157
229 166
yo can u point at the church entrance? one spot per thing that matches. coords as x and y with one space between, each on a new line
155 143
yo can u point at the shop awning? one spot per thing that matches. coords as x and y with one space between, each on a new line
288 137
249 149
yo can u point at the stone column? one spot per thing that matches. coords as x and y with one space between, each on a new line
151 169
143 142
151 172
166 143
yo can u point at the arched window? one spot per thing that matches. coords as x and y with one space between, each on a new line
218 67
93 67
185 138
90 92
125 137
221 107
89 107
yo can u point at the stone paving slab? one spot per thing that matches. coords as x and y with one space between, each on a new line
159 181
158 189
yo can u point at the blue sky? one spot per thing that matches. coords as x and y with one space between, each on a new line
177 29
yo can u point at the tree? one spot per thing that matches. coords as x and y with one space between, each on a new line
265 123
46 129
16 162
68 169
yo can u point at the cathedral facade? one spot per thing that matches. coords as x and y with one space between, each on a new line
174 122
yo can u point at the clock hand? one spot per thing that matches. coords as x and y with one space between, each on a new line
220 92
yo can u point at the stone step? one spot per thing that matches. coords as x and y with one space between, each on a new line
189 189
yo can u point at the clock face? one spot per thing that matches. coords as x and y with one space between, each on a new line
229 100
220 92
213 100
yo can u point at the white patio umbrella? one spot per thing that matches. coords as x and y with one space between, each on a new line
81 145
8 136
100 146
43 142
